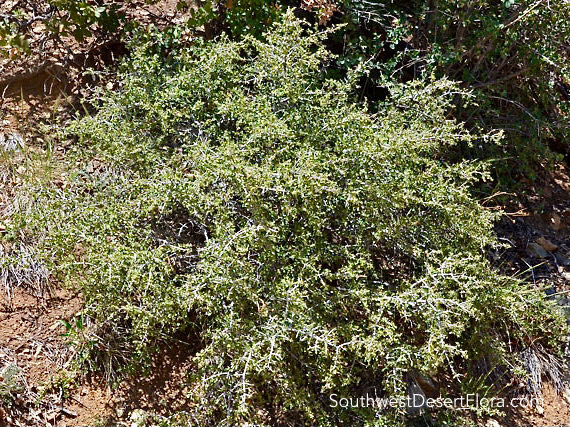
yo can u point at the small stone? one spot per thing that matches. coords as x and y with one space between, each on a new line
427 385
566 276
546 244
566 395
11 142
536 251
555 222
68 412
539 409
492 423
120 412
417 399
138 418
562 260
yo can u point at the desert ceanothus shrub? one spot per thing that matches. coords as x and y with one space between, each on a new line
232 192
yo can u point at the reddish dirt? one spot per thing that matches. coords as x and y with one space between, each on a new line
162 392
32 331
31 338
555 412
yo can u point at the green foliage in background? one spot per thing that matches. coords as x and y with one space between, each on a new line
80 16
234 194
514 54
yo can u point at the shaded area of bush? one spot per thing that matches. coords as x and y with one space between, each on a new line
315 248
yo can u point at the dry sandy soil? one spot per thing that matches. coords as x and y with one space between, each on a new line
32 339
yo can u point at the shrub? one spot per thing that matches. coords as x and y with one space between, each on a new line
512 53
11 383
234 192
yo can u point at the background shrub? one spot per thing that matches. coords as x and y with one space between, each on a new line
513 54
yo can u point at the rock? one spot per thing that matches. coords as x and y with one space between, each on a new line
555 222
566 276
428 386
68 412
562 260
546 244
417 399
534 250
11 142
566 395
492 423
138 418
